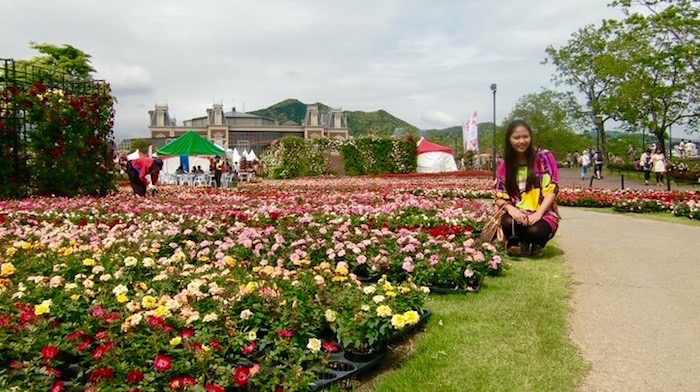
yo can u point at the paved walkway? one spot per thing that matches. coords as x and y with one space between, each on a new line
635 300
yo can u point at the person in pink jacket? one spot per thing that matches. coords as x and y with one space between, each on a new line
139 170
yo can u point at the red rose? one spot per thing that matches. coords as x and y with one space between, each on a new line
213 388
102 335
330 346
241 375
134 376
285 333
49 352
162 362
27 316
84 343
97 311
215 344
101 373
5 320
75 335
52 371
182 382
249 348
187 332
56 387
102 349
111 317
279 388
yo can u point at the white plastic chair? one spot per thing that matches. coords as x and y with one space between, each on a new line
200 180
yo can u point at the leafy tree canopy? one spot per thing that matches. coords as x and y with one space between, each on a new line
64 58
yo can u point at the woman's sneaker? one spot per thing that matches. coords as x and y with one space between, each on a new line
536 250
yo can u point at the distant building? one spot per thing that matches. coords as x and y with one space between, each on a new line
244 130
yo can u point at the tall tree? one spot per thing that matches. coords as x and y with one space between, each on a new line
578 64
66 58
656 80
554 117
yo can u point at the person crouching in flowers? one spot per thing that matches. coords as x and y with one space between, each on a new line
527 184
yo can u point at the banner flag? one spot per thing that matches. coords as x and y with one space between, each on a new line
470 134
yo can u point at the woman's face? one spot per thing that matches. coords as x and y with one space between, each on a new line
520 139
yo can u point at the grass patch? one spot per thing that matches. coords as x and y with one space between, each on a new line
512 336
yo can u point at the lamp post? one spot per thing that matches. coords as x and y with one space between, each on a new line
493 154
598 127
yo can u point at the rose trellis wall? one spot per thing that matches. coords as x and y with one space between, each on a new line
55 133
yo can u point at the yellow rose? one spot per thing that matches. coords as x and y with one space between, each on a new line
252 335
10 251
230 261
314 345
175 341
148 302
89 262
121 298
383 311
398 321
75 297
411 317
7 269
162 311
43 308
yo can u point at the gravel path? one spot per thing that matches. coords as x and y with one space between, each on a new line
635 300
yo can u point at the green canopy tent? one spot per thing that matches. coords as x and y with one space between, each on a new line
191 143
187 145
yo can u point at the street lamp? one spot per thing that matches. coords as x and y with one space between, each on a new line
598 128
493 154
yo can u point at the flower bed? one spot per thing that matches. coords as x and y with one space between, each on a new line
124 293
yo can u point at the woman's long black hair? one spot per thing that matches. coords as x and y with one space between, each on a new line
511 160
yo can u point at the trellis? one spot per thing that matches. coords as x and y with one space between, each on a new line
17 178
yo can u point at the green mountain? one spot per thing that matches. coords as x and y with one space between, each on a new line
359 123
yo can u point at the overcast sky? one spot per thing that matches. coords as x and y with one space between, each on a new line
428 62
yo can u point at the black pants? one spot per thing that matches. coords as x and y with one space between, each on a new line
647 175
659 177
217 178
537 234
136 184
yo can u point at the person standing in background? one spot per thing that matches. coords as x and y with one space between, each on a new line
598 162
658 160
645 164
584 160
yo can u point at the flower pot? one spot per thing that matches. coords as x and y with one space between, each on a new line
367 354
444 288
341 366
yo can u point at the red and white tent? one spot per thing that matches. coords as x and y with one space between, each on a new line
433 157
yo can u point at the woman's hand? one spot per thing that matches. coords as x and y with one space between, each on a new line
534 218
518 216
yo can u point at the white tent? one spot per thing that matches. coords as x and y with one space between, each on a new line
433 158
252 157
134 155
235 157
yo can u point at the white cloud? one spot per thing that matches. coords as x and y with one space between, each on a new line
402 56
439 119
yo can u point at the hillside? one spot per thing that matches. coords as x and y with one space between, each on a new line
378 122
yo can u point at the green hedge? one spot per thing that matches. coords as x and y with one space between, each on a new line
293 156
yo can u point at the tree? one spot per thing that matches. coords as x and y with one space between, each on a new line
656 83
66 59
554 118
581 64
641 70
